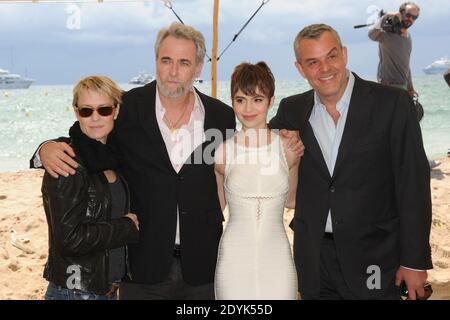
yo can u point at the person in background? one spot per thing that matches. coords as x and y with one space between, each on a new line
395 48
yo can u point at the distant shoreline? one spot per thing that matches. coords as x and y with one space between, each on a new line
206 81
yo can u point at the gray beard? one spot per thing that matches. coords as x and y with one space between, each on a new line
173 94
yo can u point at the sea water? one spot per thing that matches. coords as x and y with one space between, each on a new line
30 116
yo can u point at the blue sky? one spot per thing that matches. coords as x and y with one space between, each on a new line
116 39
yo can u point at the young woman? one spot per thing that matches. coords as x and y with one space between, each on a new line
257 176
88 213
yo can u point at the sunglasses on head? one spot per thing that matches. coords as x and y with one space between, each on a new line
104 111
411 16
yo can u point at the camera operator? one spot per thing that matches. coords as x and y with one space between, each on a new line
395 45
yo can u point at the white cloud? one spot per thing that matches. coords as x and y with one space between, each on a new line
133 26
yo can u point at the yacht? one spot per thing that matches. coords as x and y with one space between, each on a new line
13 81
438 66
142 78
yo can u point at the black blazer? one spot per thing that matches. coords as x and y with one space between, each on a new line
379 193
156 190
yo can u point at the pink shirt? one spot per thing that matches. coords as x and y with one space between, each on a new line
183 141
187 138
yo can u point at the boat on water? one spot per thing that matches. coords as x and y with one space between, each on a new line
438 66
142 78
13 81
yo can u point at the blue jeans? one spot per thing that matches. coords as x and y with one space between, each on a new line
56 292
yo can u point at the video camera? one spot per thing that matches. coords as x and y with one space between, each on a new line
391 23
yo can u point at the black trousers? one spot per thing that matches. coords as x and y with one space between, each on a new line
172 288
332 282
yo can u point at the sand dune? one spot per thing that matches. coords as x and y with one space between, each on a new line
21 214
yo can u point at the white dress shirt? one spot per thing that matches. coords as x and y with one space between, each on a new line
329 134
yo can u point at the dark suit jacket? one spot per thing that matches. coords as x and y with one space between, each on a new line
379 193
156 190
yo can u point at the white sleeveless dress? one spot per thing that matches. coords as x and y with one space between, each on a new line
255 260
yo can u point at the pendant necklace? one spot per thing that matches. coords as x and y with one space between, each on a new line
173 126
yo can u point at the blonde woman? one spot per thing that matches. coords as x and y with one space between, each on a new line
88 212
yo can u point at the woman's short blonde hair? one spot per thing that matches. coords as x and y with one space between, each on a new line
99 84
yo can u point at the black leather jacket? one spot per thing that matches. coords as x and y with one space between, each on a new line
81 232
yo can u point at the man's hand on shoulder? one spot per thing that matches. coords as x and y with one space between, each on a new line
294 144
57 159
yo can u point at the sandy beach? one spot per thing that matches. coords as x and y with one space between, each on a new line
22 219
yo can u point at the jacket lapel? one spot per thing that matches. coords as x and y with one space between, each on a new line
147 118
308 137
312 146
357 119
